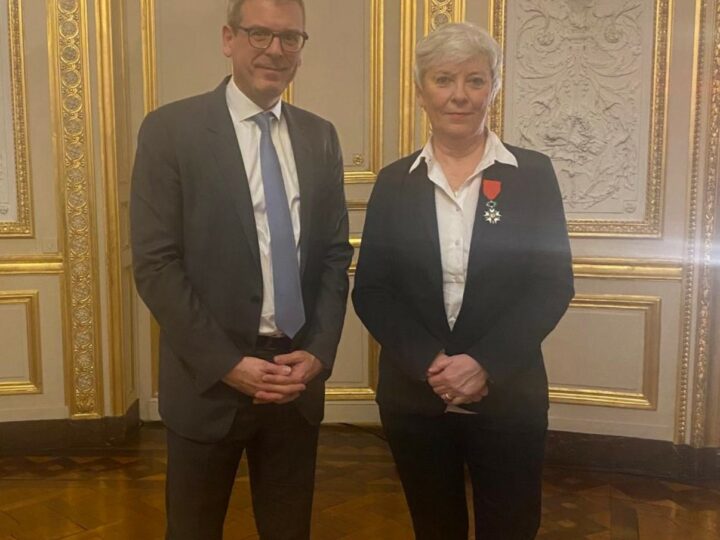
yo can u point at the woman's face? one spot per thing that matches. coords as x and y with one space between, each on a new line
456 97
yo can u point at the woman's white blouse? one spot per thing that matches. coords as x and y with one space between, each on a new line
456 217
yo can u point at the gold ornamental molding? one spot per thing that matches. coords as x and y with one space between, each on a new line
408 37
374 159
651 225
109 159
498 22
710 192
435 14
34 264
375 88
29 301
701 225
359 393
69 76
613 268
689 278
23 226
149 55
646 398
439 12
603 268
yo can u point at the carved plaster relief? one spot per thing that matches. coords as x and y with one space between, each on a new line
8 202
579 87
15 211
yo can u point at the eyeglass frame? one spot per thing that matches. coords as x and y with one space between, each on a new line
274 35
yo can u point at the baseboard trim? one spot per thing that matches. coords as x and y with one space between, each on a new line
42 435
661 459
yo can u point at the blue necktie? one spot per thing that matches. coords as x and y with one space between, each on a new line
289 309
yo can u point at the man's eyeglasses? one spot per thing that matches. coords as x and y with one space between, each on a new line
262 38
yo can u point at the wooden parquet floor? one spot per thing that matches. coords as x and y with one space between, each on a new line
117 493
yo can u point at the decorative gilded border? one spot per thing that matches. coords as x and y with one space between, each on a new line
498 20
607 267
147 22
109 160
704 307
29 300
439 12
377 8
436 13
69 76
408 37
377 32
23 227
37 264
689 277
615 268
647 397
651 225
359 393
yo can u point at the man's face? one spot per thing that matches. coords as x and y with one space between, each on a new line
263 74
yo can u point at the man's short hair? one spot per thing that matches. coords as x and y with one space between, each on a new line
234 10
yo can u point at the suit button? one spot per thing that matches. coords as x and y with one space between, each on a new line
255 299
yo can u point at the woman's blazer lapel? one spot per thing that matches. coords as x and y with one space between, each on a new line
421 212
490 241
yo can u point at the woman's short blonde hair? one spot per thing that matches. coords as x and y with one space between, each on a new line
454 43
234 7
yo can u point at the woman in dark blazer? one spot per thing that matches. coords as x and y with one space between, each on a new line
464 268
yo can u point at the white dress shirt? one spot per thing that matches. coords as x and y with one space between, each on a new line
456 217
242 109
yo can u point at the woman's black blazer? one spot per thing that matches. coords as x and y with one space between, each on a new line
519 284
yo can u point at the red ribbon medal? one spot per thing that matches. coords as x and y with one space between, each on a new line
491 190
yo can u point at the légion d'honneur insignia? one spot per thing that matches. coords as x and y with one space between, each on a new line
491 190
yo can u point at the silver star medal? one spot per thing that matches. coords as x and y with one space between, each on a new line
492 215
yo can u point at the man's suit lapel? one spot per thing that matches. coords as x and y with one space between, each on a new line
307 172
231 166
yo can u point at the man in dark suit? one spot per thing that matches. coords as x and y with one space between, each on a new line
240 243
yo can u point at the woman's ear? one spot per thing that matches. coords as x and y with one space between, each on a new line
419 96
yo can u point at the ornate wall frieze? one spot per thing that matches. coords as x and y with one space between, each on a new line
67 31
579 76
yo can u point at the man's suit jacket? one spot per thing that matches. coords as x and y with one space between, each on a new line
519 283
196 257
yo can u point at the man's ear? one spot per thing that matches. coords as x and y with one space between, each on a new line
227 36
